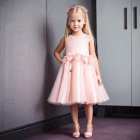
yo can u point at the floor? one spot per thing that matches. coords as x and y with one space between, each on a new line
104 129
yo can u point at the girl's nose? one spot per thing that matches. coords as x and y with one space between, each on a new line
75 23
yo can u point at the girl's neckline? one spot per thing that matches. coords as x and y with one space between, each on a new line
78 35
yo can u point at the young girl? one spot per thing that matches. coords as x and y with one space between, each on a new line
78 80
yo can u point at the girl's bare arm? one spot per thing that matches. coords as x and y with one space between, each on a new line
92 52
59 49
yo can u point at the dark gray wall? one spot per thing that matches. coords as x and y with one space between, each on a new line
29 32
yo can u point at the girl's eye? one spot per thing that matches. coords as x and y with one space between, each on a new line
79 20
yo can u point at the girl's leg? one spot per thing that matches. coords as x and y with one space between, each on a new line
89 113
89 116
74 113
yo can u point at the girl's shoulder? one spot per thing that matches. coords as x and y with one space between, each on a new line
62 40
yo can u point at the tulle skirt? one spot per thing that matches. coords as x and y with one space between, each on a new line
76 82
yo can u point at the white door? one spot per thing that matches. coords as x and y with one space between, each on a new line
135 52
114 49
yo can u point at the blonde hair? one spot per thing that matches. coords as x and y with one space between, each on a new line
82 10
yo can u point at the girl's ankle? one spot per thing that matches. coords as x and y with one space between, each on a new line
76 127
89 127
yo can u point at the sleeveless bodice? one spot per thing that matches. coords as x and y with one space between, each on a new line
77 44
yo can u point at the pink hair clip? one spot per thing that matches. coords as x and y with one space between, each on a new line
77 6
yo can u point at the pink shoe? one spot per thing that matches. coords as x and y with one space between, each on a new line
76 134
89 134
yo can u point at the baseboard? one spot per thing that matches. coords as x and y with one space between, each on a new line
24 132
118 111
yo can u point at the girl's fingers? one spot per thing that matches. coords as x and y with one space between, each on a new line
99 82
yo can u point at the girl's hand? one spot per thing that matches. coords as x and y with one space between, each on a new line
61 61
99 80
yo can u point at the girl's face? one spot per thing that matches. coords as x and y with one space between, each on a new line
76 22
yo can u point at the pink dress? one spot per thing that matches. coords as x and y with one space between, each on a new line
76 81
